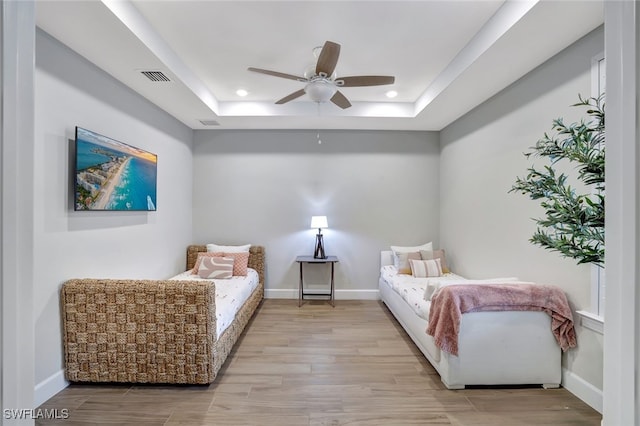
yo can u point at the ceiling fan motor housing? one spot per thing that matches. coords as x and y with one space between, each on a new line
310 73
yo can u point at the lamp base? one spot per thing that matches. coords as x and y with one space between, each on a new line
319 253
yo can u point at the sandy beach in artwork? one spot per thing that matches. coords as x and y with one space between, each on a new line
107 189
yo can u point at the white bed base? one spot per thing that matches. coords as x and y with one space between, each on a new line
495 348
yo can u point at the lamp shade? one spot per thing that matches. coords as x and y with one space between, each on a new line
319 222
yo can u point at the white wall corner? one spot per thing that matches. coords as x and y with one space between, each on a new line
17 90
584 390
621 404
49 387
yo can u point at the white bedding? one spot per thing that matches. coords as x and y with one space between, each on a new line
230 295
412 289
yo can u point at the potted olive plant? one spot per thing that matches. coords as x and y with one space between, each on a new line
573 223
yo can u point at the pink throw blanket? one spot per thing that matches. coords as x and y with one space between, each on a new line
449 303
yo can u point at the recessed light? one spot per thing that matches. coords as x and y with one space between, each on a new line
392 94
241 92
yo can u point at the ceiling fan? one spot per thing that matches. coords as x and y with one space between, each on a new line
322 85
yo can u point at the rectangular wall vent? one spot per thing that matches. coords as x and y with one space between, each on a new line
209 123
155 75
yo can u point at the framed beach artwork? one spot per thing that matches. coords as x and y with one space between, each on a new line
111 175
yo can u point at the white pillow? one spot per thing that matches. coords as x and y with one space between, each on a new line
436 284
215 248
402 249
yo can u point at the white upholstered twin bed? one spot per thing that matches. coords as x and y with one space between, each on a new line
494 348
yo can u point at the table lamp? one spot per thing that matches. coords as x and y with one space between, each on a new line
319 222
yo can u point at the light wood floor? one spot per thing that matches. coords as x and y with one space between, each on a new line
318 365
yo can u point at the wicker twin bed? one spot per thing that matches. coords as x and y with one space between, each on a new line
150 331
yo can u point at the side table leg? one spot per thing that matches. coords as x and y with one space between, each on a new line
300 288
333 292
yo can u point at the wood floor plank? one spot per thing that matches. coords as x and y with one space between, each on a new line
257 379
318 365
283 358
378 419
260 406
222 419
525 418
365 378
304 391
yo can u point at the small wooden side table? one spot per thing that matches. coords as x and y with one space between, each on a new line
332 260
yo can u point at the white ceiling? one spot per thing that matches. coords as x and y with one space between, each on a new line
447 56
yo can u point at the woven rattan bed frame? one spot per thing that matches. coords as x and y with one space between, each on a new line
149 331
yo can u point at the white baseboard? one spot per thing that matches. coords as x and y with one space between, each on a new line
357 294
582 389
287 293
49 387
279 293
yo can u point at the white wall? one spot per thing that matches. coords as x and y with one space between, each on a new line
70 91
262 187
484 228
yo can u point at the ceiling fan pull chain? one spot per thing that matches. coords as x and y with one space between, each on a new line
319 141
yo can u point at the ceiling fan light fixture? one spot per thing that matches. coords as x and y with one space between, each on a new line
322 83
320 90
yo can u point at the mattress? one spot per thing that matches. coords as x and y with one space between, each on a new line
231 294
412 289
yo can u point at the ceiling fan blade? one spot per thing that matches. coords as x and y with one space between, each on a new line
291 97
365 80
339 99
328 59
277 74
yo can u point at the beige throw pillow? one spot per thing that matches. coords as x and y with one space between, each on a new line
436 254
216 267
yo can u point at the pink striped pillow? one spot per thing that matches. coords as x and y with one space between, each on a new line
425 268
216 267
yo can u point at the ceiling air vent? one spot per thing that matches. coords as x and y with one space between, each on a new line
209 122
155 75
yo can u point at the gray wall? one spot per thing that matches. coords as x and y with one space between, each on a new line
484 228
262 187
67 244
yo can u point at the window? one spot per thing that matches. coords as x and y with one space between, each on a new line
594 318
